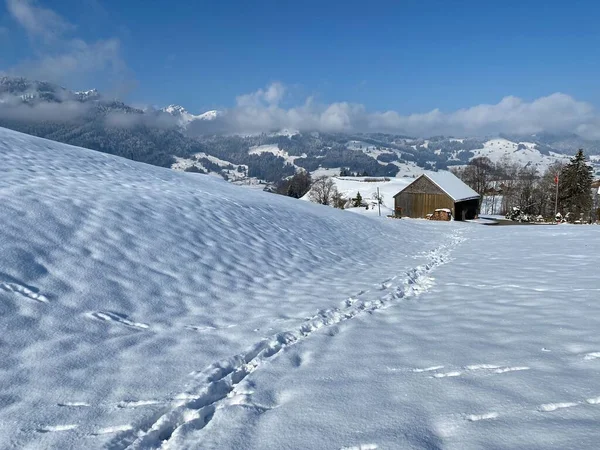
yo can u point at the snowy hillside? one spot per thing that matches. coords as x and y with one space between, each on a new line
145 308
118 280
523 153
273 149
505 360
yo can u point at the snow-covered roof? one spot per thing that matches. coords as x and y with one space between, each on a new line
451 185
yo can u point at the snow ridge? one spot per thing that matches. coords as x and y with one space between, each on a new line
195 407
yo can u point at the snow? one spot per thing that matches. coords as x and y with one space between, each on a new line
88 94
184 117
209 115
468 362
274 150
497 149
349 187
148 308
369 149
233 175
408 169
128 289
287 132
326 172
451 185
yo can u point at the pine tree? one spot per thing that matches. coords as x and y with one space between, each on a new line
357 201
575 188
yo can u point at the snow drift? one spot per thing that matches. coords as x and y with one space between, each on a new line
118 280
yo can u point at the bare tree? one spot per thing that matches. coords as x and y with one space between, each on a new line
478 174
377 197
323 191
338 200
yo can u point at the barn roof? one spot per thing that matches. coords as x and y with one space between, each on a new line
451 185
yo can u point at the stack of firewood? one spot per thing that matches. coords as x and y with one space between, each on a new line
441 214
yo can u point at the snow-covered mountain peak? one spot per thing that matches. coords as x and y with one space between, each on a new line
210 115
184 117
176 110
85 95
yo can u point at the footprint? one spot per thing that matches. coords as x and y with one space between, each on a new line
209 328
549 407
482 367
333 331
50 429
478 417
427 369
448 374
74 404
361 447
296 360
510 369
108 316
110 430
138 403
23 291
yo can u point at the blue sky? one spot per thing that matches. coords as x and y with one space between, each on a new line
406 56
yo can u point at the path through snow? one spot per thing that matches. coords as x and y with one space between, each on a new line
218 383
464 367
118 280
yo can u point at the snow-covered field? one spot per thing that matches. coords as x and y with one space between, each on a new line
122 284
500 350
497 149
274 150
146 308
349 187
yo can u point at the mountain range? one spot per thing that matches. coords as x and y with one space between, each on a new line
173 137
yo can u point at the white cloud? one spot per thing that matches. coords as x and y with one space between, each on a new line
270 96
39 22
79 57
62 58
260 111
57 112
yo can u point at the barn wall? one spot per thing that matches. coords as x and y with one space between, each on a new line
423 185
423 197
415 205
420 198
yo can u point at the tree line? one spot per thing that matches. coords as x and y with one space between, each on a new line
505 185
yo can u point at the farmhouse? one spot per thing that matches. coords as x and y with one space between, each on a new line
437 190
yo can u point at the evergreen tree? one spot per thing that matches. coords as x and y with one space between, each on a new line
357 201
575 188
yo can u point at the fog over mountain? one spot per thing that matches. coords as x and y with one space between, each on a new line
311 136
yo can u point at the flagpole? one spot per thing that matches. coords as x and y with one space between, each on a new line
556 199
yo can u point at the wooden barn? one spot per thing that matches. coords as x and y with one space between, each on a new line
437 190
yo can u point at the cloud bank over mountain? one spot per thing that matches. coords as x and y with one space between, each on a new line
262 111
60 54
